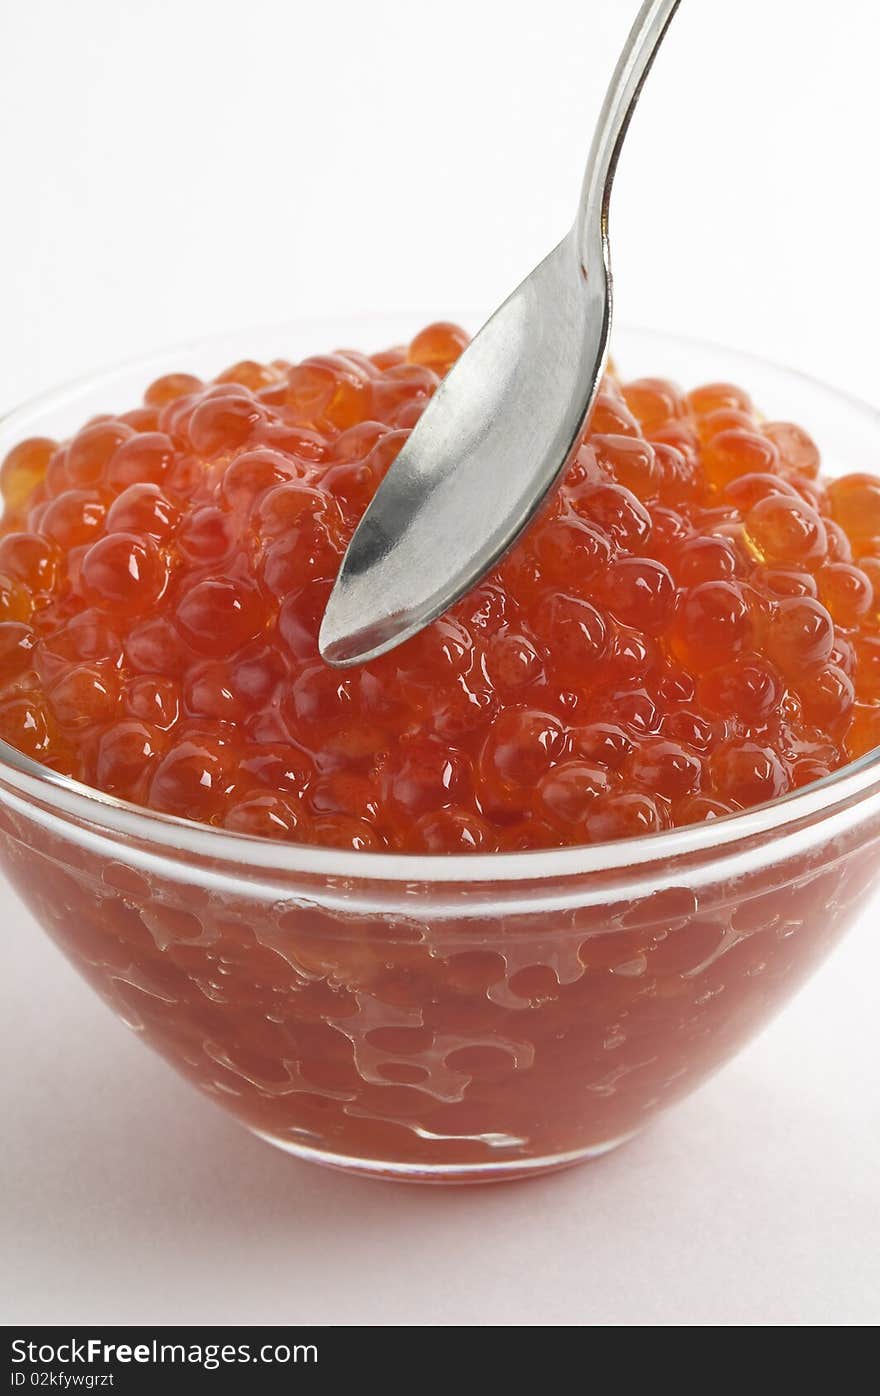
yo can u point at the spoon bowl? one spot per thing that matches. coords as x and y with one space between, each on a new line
502 425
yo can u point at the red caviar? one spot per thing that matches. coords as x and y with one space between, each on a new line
691 628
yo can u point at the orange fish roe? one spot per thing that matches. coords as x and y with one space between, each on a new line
691 628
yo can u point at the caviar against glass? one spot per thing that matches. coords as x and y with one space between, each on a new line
691 628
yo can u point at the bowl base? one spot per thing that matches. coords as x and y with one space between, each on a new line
445 1174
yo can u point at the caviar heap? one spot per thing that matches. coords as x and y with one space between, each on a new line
691 628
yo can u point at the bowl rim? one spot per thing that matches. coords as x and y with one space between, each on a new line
90 806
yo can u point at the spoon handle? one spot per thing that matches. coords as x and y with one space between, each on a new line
633 67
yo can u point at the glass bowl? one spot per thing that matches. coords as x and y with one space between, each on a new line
445 1019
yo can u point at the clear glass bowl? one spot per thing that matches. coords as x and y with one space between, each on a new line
444 1018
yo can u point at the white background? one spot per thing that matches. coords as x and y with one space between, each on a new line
192 165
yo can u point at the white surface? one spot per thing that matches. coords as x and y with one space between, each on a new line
126 1198
194 165
191 165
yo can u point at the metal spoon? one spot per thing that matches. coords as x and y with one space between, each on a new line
504 423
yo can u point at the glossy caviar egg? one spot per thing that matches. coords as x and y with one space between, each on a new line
798 451
691 627
855 505
737 452
712 624
783 530
24 470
